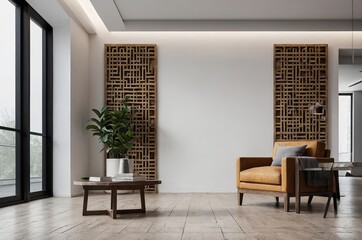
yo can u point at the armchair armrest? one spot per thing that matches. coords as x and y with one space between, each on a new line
288 174
243 163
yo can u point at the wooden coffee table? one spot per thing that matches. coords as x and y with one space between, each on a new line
113 187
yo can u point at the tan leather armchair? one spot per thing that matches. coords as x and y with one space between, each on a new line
256 175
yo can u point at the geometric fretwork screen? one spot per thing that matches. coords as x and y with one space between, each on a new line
300 81
131 70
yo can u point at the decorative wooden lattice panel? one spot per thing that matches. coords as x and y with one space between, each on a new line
300 81
131 70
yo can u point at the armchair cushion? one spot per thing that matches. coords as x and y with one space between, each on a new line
287 151
262 175
314 148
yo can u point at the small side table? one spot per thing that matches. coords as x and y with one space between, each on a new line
333 169
323 167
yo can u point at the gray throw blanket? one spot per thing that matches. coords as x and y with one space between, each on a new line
314 178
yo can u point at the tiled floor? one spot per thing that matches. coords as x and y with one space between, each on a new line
187 216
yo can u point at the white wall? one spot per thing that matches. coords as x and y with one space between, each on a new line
215 100
79 142
61 109
71 108
357 131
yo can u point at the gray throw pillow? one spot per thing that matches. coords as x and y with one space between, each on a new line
287 151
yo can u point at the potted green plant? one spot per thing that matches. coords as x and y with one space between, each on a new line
114 129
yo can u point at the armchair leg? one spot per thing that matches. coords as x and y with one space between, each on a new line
240 198
277 201
286 203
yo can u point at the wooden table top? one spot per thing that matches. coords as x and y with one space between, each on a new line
117 183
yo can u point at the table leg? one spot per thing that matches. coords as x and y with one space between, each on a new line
327 207
111 200
336 179
310 198
114 202
143 204
297 186
335 202
85 201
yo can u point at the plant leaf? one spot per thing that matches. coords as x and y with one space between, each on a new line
92 127
96 112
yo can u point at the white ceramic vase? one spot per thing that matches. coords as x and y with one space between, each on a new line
112 167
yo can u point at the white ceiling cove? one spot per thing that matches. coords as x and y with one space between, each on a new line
230 15
238 9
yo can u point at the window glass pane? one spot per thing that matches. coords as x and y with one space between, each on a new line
36 77
7 64
36 164
7 164
345 121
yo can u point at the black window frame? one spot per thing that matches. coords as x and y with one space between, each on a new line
24 14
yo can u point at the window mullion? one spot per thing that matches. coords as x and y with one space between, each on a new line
25 102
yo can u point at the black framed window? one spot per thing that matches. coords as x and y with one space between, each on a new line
345 127
8 128
26 104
